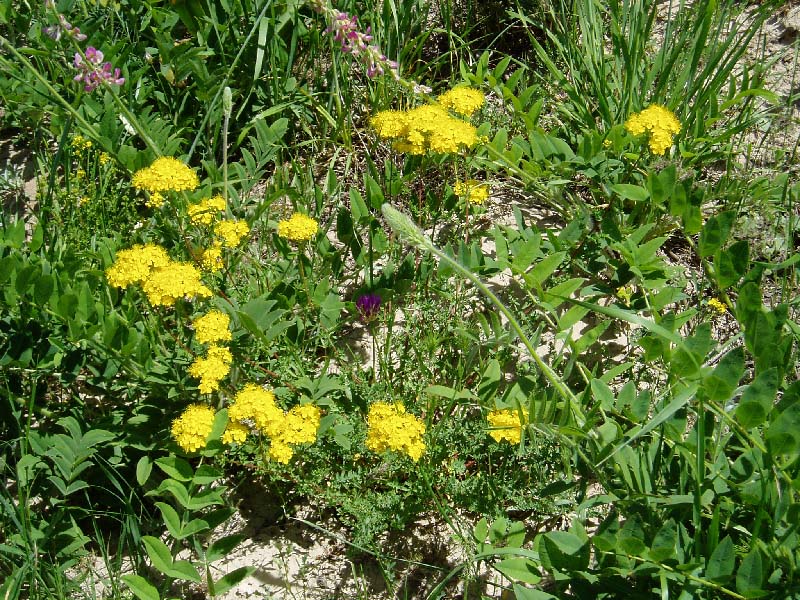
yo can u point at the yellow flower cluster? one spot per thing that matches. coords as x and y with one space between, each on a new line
212 327
235 432
718 306
285 429
299 228
425 128
231 232
206 211
162 279
176 280
135 264
212 368
211 258
463 100
80 144
472 190
659 122
165 174
192 428
506 425
392 428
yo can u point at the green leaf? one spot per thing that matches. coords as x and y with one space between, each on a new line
603 394
171 520
539 274
722 561
43 289
715 232
375 196
183 569
143 470
750 575
140 587
159 553
630 192
519 569
757 399
783 434
564 551
721 383
223 546
521 593
206 498
481 530
206 474
176 488
175 467
232 579
358 208
732 264
490 382
665 542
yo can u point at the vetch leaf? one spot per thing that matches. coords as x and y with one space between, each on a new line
750 575
141 587
232 579
721 383
722 561
159 553
519 569
756 402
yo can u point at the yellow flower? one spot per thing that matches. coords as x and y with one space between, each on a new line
299 228
718 306
471 190
206 211
192 428
165 174
231 232
212 369
463 100
659 122
212 327
211 258
391 428
254 403
154 200
104 158
235 432
297 426
135 264
80 144
425 128
165 284
506 425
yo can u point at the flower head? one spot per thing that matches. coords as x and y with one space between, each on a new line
427 128
165 284
212 327
135 264
231 232
165 174
472 191
92 70
463 100
392 428
211 369
192 428
206 211
235 432
506 425
299 228
657 121
368 306
718 306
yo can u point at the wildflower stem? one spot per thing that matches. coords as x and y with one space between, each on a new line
405 227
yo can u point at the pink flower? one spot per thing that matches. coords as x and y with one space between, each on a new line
93 70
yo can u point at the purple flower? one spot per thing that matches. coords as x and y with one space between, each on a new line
368 306
63 25
344 28
93 70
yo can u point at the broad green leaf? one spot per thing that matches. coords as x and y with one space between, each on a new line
206 474
732 263
176 488
159 553
721 383
141 587
783 434
630 192
714 233
519 569
564 551
490 381
521 593
544 269
183 569
206 498
750 575
232 579
175 467
603 394
664 543
481 530
171 520
757 399
722 561
223 546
